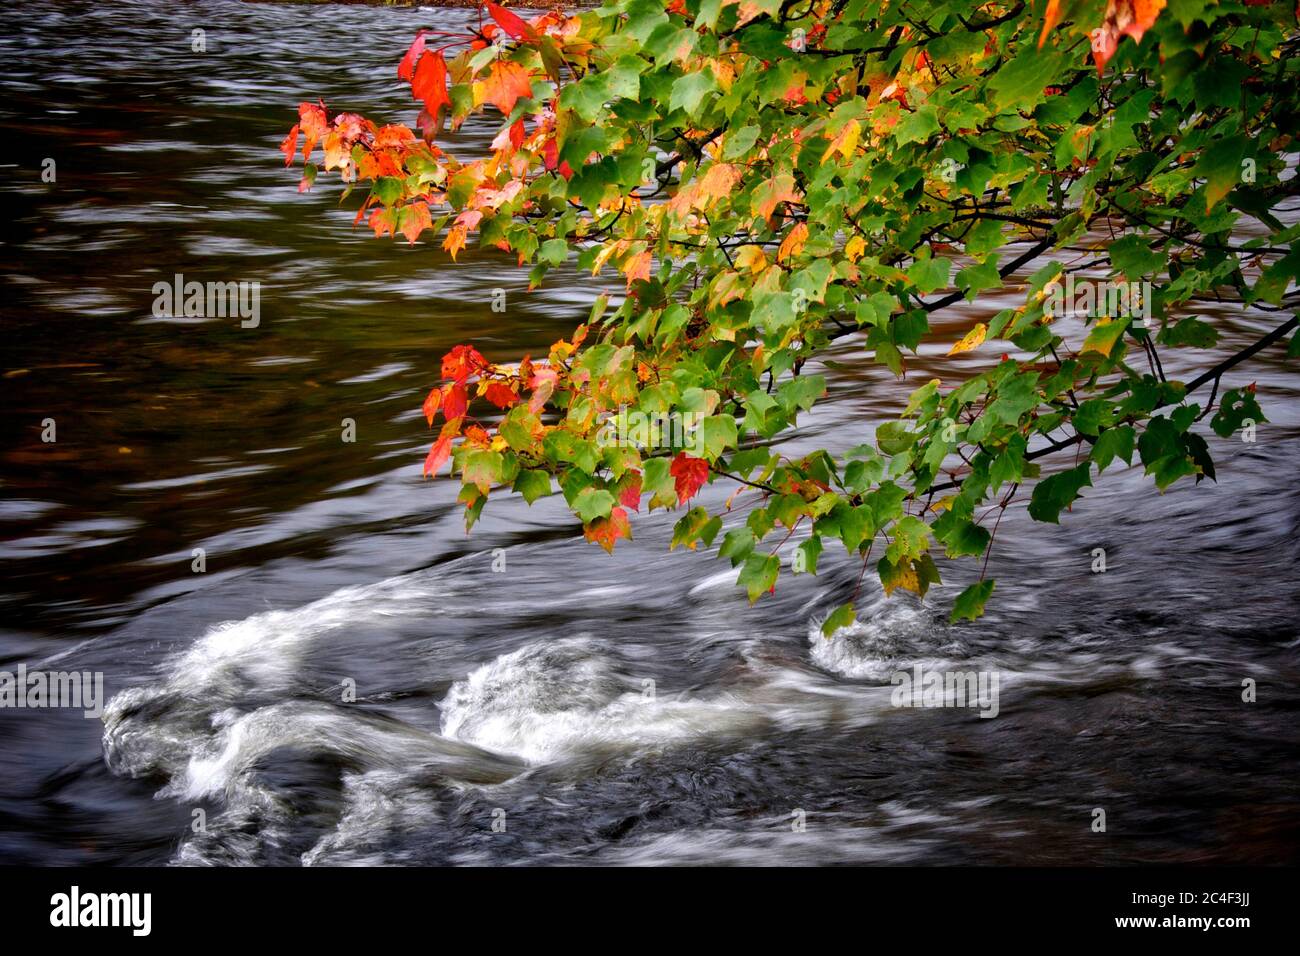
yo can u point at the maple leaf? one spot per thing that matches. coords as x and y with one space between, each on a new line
542 382
455 240
605 531
455 401
290 145
513 25
415 220
406 69
844 142
793 243
397 134
1123 18
506 83
383 221
630 493
501 395
637 267
511 137
462 362
772 193
312 120
336 150
971 340
430 82
431 403
689 475
438 455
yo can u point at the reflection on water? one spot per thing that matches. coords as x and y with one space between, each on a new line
625 709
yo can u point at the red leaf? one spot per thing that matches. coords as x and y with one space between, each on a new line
605 531
690 473
406 69
514 26
630 495
455 401
430 407
462 362
501 395
550 154
290 145
430 82
438 455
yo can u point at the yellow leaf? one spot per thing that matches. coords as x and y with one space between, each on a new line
905 577
854 248
971 340
751 258
845 141
1104 335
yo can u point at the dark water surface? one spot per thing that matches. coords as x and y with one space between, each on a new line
524 695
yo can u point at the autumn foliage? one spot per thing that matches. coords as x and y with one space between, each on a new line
768 176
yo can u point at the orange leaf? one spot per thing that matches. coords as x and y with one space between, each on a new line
455 240
1051 18
415 221
605 531
290 145
793 243
431 403
772 193
543 385
637 267
312 120
506 83
1123 18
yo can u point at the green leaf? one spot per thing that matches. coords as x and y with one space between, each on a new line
737 545
841 617
1133 256
968 540
387 189
917 126
1113 443
719 433
533 483
593 503
690 90
970 603
1021 84
1054 494
758 576
1220 167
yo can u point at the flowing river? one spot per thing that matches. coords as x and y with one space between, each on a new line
520 696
